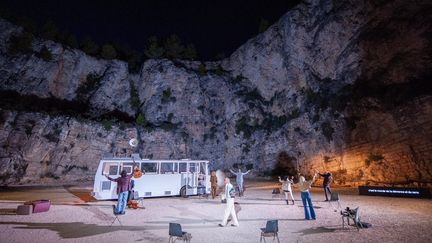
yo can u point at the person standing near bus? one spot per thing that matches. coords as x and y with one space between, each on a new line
213 181
239 179
230 209
123 188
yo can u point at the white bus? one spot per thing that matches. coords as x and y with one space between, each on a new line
159 178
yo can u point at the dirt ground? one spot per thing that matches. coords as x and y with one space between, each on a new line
75 217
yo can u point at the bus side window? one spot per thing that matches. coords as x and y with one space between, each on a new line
167 168
127 167
149 168
182 167
193 167
110 168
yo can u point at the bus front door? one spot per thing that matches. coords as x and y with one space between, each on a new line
190 179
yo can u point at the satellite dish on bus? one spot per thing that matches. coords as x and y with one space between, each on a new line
133 142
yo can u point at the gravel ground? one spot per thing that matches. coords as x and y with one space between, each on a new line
74 217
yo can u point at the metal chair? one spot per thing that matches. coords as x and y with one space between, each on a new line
176 233
270 230
354 215
116 216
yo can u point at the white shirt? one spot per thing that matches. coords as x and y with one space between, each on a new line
228 188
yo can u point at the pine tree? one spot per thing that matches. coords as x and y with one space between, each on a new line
49 31
190 52
263 25
141 120
89 46
108 52
173 47
153 49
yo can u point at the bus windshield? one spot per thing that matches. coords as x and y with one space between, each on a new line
110 168
127 167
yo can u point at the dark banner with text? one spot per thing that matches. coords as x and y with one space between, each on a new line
395 191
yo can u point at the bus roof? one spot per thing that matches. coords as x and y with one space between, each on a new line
120 159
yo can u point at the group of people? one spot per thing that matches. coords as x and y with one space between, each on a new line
287 182
304 187
124 188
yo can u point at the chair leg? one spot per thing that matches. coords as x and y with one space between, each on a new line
116 218
358 225
277 237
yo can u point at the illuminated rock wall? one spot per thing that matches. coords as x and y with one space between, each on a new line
337 85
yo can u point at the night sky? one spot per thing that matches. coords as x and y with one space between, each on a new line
213 27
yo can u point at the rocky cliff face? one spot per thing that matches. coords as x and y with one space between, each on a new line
334 85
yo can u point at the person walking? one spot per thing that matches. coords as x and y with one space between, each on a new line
286 187
326 182
230 209
213 182
304 187
239 179
123 188
237 209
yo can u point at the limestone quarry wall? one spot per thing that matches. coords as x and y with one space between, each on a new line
333 85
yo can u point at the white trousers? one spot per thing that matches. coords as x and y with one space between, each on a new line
288 193
230 210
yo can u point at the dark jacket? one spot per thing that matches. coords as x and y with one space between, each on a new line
123 183
327 178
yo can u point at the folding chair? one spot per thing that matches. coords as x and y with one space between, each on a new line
116 216
354 215
141 201
334 197
270 230
176 233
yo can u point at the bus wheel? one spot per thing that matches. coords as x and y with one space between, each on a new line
183 192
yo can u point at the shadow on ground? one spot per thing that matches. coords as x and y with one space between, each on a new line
82 194
212 222
318 230
74 229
